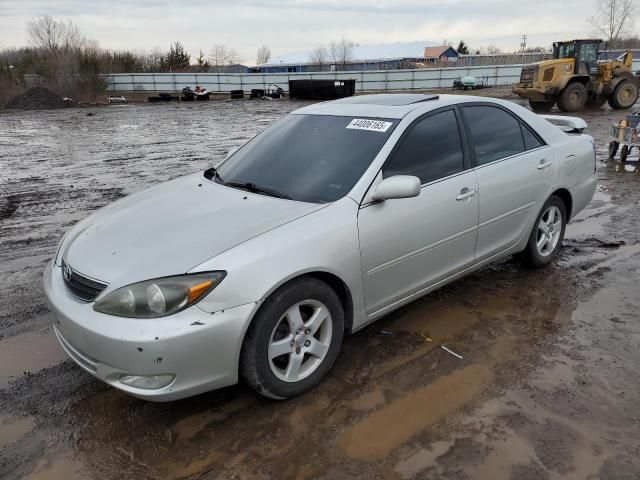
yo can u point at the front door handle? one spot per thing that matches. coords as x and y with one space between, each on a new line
466 193
544 164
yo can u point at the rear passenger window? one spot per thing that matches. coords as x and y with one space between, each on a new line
496 134
531 141
432 150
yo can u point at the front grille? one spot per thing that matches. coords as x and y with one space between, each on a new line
527 74
80 286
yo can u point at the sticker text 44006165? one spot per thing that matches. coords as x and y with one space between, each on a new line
371 125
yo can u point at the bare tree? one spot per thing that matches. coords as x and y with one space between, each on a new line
318 57
342 52
264 55
54 36
233 56
221 56
613 18
493 50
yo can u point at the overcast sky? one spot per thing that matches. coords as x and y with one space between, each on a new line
289 25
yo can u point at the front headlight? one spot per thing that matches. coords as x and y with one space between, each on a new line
159 297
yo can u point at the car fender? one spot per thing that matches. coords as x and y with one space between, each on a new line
323 241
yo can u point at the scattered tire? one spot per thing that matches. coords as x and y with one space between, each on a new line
624 153
541 107
596 102
547 233
293 340
573 98
624 96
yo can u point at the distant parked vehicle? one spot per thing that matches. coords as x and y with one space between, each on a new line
117 99
336 215
199 93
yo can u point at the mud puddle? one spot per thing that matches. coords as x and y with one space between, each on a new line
28 353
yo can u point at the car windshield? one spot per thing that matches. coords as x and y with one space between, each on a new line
310 158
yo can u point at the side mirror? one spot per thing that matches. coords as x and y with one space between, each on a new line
231 152
398 186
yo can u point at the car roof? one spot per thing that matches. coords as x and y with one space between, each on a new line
393 105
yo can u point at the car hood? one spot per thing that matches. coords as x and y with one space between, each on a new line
171 228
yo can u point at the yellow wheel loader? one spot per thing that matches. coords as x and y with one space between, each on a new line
579 76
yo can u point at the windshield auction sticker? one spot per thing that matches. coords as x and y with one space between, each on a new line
371 125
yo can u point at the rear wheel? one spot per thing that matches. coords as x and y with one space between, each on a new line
573 98
624 96
541 107
547 234
294 339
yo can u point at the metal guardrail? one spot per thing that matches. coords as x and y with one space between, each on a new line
366 81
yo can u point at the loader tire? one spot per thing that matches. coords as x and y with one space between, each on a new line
573 98
624 96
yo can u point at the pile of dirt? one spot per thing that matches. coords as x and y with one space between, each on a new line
38 98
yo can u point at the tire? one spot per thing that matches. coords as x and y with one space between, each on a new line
536 256
624 153
613 149
573 98
624 96
595 103
275 376
541 107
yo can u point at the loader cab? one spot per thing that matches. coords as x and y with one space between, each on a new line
583 52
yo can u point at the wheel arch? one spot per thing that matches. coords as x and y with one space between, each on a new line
337 284
574 79
566 198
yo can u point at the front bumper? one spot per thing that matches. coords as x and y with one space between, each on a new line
200 349
534 92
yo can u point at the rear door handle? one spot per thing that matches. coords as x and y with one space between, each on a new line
544 164
466 193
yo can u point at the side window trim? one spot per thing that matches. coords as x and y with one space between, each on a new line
524 125
466 150
472 150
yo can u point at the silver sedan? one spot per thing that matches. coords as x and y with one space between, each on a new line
334 216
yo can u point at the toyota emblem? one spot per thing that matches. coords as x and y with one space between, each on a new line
66 273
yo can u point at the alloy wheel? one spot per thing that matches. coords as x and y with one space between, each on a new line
549 231
300 341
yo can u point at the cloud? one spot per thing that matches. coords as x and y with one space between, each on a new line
290 25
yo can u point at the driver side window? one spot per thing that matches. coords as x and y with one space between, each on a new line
431 150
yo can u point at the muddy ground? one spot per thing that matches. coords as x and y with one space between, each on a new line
548 386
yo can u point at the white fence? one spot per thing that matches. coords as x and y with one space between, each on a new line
366 81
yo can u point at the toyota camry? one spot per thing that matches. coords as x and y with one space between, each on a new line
331 218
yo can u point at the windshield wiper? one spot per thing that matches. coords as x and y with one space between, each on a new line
252 187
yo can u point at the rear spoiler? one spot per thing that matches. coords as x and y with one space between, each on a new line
566 124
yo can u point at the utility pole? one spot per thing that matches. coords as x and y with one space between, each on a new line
523 45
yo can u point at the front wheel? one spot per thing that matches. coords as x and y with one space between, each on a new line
547 234
573 98
624 96
293 340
